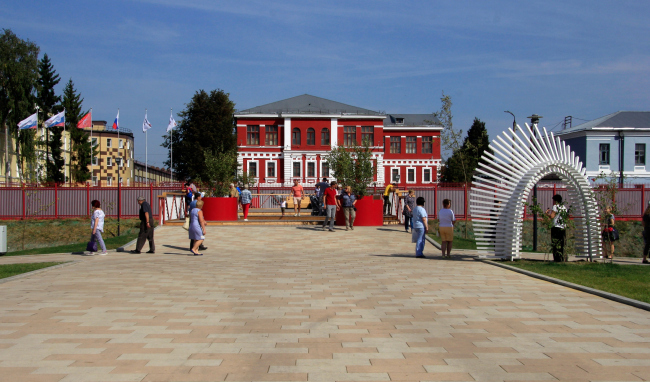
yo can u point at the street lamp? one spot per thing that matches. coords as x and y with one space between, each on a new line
534 119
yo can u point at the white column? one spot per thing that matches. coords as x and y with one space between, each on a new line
288 166
334 132
380 170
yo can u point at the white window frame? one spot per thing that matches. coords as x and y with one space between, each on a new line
415 175
109 180
94 141
257 167
128 145
95 160
94 180
120 144
109 142
266 169
321 169
399 172
128 163
109 161
119 162
430 174
315 169
302 170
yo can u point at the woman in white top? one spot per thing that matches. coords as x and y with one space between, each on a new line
446 221
97 225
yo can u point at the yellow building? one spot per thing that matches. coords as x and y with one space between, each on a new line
114 158
152 174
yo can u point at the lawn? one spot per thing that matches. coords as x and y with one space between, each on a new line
111 243
459 242
9 270
632 281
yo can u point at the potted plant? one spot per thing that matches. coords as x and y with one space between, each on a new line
220 169
352 166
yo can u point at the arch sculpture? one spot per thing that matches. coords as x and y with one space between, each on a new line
504 179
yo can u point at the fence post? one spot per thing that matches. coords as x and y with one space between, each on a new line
554 189
56 200
87 199
435 201
642 199
151 197
23 201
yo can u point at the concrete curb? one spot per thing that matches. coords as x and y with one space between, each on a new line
433 242
27 274
600 293
130 243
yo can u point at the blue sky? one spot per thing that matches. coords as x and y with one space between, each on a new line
554 58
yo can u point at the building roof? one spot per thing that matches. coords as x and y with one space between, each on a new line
620 120
411 120
307 104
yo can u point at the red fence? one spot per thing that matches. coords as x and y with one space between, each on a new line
60 202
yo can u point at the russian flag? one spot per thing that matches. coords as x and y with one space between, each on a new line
29 122
116 123
57 120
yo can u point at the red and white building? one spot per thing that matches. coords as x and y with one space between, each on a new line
290 139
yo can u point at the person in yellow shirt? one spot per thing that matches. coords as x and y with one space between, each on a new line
387 203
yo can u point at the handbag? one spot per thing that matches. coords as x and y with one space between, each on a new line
611 234
186 225
92 245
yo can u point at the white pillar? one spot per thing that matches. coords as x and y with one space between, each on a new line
334 132
288 166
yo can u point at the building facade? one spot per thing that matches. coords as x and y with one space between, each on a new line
613 144
291 139
114 160
150 174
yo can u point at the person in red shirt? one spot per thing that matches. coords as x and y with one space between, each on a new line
298 194
332 204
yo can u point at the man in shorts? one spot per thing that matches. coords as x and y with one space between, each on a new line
298 194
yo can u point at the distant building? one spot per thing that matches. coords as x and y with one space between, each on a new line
114 161
617 143
291 139
150 174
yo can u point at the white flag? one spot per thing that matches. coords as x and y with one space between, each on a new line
30 122
145 125
172 123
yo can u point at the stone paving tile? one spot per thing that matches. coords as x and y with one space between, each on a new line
299 304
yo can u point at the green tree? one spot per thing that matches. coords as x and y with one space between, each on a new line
206 126
218 172
48 102
80 158
352 166
18 74
463 162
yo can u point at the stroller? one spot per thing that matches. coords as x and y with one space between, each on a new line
316 208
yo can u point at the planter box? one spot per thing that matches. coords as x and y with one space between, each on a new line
369 213
220 209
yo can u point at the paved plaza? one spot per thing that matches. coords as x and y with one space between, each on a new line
300 304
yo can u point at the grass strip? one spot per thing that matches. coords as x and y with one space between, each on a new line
632 281
8 270
459 242
111 243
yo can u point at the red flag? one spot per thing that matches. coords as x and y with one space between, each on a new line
86 121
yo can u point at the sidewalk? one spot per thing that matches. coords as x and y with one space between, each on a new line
301 304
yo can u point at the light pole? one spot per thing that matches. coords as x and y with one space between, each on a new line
534 120
514 126
7 165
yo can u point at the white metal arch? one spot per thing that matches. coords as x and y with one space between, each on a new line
504 179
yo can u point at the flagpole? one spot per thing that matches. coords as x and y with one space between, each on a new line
146 151
64 145
91 146
171 150
118 148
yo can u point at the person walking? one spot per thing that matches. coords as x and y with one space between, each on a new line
348 200
558 231
645 221
197 198
190 190
97 225
298 194
608 234
331 203
409 207
197 228
446 222
321 187
420 228
146 227
387 203
246 198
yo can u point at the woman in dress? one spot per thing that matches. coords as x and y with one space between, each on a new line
97 225
197 227
409 207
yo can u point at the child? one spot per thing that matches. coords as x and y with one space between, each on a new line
280 201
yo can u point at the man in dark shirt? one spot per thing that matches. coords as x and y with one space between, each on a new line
322 186
146 227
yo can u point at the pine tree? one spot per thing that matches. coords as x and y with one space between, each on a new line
80 158
47 100
461 165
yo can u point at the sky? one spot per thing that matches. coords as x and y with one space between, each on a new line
585 59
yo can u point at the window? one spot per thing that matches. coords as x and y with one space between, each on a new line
94 161
271 136
120 144
311 136
410 145
295 136
296 169
94 180
93 142
252 169
109 142
399 121
253 135
109 161
128 145
639 154
410 175
119 162
128 163
324 169
349 135
604 153
427 145
395 145
311 169
368 135
120 180
109 180
426 175
270 169
325 137
394 175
